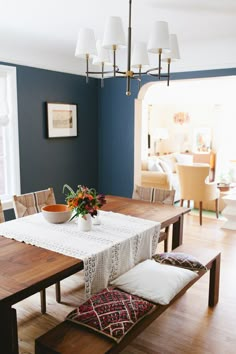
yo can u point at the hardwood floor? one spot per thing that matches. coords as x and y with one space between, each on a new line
188 326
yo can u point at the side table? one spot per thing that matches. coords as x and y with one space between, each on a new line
229 212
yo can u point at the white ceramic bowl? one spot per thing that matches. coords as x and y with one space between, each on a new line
56 213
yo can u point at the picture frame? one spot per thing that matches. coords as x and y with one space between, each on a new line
202 140
61 120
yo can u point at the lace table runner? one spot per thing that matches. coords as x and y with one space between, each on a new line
108 250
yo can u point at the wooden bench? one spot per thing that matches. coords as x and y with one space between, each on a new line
69 338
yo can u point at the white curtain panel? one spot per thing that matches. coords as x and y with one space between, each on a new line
4 111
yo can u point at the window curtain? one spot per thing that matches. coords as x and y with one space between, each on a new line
4 111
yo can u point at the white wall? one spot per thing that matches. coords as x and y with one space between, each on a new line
181 136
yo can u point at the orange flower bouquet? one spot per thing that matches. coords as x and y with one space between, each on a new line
83 201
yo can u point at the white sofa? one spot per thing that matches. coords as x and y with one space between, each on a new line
160 171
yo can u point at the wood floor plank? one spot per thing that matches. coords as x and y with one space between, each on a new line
189 326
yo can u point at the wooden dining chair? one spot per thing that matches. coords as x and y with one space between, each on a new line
44 197
143 193
31 203
2 218
164 196
155 195
24 205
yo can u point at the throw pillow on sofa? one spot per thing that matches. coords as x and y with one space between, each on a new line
165 166
154 165
169 160
184 159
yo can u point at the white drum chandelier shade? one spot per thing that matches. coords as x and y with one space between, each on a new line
160 42
114 33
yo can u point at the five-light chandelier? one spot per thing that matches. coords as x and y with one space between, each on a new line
160 42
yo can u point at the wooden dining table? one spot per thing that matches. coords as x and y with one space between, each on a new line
166 214
26 269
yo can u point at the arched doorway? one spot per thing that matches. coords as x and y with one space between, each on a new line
210 104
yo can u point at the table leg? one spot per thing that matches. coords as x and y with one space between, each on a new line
8 330
214 282
58 292
43 301
177 233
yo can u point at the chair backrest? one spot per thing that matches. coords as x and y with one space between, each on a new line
192 179
151 194
164 196
24 205
44 197
143 193
2 218
31 203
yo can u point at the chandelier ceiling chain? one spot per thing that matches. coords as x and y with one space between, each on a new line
160 42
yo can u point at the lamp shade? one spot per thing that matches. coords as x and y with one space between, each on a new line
159 38
114 33
103 54
140 55
174 49
85 43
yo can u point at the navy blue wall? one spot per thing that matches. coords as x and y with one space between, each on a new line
52 162
102 156
116 138
116 130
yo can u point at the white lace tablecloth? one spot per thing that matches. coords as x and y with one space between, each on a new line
108 250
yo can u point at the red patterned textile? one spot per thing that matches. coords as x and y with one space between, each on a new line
179 259
111 312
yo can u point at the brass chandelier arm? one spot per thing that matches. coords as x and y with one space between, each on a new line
168 72
114 60
123 74
87 68
159 64
151 73
101 72
132 74
128 82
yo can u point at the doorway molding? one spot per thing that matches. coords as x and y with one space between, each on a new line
222 94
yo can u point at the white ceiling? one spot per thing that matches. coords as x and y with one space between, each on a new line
43 33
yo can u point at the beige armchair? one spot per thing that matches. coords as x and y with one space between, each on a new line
195 185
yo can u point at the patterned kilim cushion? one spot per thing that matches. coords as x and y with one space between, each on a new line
111 312
183 260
